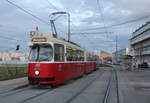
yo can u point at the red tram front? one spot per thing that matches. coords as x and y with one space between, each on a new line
54 60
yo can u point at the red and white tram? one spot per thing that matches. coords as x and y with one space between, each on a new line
54 61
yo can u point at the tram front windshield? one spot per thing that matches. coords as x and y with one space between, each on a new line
41 53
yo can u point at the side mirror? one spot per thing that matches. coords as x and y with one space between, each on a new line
17 47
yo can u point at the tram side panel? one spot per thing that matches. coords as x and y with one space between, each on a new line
86 67
90 66
60 73
94 65
57 73
79 69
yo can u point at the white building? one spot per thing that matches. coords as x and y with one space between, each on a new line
140 43
11 56
120 55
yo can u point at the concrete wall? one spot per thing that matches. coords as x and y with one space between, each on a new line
12 71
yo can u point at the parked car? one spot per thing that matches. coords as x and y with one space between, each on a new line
143 65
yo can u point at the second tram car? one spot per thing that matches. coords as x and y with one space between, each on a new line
54 60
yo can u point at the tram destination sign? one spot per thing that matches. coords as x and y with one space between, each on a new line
39 40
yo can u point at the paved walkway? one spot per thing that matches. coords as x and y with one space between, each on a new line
8 85
134 87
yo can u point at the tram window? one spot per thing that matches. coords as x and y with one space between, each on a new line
69 54
33 53
74 54
89 57
59 52
80 55
41 53
45 53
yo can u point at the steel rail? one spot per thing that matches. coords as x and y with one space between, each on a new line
117 88
108 88
84 88
32 97
9 93
17 91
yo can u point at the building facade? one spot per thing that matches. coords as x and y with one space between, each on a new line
105 57
12 57
120 55
140 44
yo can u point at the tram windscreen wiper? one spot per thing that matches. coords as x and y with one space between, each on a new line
43 59
45 53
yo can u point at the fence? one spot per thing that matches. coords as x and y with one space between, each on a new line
11 71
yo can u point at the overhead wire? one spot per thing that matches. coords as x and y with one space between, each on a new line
103 21
58 10
101 13
52 5
15 41
74 33
27 12
117 24
10 38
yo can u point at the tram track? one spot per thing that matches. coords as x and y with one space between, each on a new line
117 88
84 88
10 93
109 87
32 97
68 101
15 92
36 93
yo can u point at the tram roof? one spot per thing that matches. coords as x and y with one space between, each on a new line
54 39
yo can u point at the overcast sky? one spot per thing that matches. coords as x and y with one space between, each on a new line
86 15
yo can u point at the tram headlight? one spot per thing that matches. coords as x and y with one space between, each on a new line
37 72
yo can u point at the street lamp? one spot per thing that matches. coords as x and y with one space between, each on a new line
56 13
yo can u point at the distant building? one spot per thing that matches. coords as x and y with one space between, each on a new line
124 51
105 57
11 56
120 55
140 44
